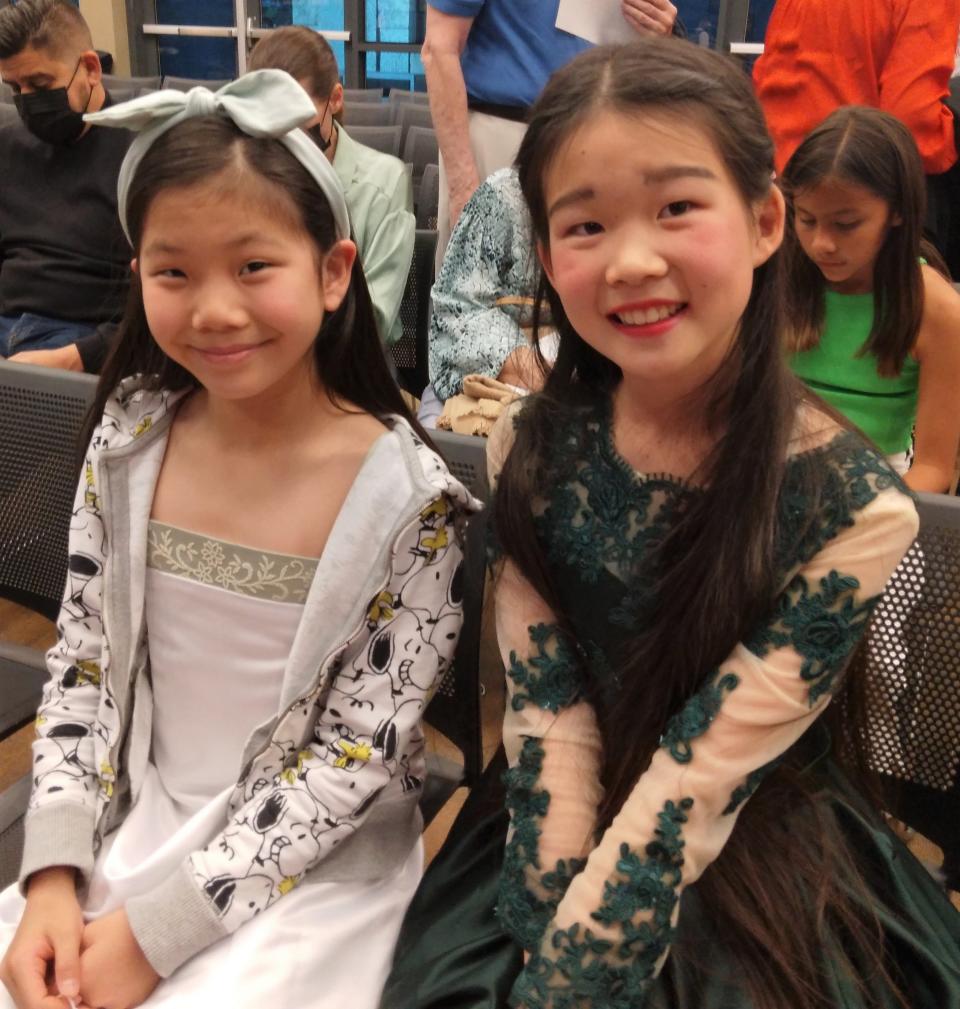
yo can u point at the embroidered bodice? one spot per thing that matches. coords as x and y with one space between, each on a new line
598 915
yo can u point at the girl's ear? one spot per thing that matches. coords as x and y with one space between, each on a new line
335 273
769 220
543 251
134 265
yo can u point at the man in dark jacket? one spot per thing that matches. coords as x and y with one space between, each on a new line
63 258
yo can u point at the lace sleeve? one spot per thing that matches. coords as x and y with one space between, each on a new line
553 748
613 927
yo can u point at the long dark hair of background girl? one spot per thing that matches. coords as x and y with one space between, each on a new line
872 149
348 353
776 882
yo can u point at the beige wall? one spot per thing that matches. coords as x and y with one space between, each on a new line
108 24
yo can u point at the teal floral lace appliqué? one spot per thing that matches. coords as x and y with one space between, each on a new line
696 716
550 681
822 627
853 475
524 912
743 792
581 970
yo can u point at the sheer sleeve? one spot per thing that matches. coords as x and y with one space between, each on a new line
613 926
552 744
553 748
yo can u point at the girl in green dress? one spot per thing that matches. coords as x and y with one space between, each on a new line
689 548
874 330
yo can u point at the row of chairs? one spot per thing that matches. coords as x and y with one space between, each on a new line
125 88
41 413
371 96
404 115
130 87
420 152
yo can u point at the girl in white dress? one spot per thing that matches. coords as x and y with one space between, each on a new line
263 593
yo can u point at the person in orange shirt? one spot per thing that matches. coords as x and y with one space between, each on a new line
896 56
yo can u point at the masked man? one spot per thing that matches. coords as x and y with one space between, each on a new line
63 258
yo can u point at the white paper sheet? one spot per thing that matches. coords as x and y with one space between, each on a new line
597 21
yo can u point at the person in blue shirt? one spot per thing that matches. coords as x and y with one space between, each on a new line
485 62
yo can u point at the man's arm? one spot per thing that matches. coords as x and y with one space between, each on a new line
915 78
446 37
87 354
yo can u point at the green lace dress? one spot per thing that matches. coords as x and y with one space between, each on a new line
599 918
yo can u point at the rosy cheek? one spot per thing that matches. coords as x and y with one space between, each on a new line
711 251
161 313
571 272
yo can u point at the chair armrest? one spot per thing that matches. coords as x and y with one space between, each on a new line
13 806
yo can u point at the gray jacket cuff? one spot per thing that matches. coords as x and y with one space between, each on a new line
173 922
58 834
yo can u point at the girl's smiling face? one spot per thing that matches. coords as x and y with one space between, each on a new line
651 246
842 227
234 289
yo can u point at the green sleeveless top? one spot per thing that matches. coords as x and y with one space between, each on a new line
883 408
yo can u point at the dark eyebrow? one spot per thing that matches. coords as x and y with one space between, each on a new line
32 80
248 237
833 213
656 177
670 172
574 196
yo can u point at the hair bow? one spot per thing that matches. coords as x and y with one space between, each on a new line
264 103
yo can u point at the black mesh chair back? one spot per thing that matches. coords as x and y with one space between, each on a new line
428 198
419 150
353 95
455 707
409 353
912 660
41 413
366 114
141 84
380 138
466 457
413 114
186 83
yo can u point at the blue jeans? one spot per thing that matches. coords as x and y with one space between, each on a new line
35 332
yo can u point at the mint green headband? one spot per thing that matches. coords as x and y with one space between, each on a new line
264 103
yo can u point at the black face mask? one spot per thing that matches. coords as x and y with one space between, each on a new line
314 132
48 116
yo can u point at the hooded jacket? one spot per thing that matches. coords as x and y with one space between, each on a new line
343 755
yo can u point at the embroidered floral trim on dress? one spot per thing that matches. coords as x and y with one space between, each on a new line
261 574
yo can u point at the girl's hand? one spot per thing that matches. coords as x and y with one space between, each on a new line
46 944
114 972
654 17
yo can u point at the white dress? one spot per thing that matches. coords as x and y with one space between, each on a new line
218 645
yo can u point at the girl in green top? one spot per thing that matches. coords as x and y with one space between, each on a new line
875 331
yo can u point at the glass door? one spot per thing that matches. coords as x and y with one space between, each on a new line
201 39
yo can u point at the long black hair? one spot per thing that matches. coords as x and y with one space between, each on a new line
872 149
348 353
777 879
